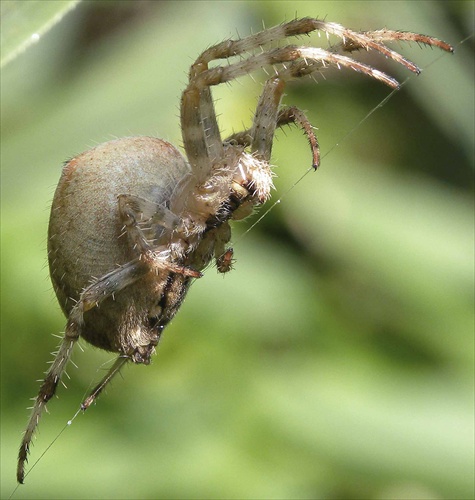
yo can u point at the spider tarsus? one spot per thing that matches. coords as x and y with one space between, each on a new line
87 403
22 460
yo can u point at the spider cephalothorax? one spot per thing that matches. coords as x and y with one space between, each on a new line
133 222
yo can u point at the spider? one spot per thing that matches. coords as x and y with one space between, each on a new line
133 222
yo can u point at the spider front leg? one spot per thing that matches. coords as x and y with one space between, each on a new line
199 126
286 116
268 117
294 115
201 136
265 119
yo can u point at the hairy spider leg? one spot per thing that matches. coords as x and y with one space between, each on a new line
104 287
48 386
286 116
210 126
114 370
200 131
92 296
294 115
265 118
201 136
132 209
223 255
386 35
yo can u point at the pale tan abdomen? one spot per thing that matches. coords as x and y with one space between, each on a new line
84 236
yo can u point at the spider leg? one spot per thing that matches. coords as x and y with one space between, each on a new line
111 283
201 136
267 118
198 120
285 116
92 296
210 125
293 114
133 207
386 35
49 384
307 60
303 61
134 213
368 40
114 370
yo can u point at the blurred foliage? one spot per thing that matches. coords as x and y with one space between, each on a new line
336 360
23 23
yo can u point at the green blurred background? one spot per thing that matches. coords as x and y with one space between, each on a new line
336 360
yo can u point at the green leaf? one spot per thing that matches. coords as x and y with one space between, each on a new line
25 21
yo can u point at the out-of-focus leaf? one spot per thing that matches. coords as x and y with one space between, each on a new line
25 21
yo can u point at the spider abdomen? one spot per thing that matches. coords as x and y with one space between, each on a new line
87 239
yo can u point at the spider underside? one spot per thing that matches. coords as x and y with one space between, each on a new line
165 237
